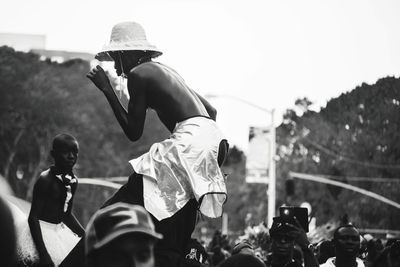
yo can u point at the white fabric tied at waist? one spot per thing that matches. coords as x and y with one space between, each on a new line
183 167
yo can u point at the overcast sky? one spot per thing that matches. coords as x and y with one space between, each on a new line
266 52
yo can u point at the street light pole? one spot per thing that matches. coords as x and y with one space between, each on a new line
272 174
271 191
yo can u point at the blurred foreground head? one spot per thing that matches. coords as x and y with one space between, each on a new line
121 235
240 260
243 247
7 236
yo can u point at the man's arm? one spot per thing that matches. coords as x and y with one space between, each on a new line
100 79
69 218
301 239
137 105
73 224
37 205
212 112
132 122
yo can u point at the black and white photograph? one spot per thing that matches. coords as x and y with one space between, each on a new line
214 133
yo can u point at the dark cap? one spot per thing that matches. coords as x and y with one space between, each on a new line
115 221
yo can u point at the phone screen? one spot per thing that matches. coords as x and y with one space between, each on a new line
300 213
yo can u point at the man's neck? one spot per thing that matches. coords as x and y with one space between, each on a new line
278 260
345 261
58 170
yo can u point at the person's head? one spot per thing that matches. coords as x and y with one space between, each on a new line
128 47
239 260
64 151
243 247
120 235
7 235
283 242
346 240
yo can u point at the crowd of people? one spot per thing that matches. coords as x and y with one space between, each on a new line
150 220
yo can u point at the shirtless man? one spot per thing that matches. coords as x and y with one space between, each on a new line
181 171
52 204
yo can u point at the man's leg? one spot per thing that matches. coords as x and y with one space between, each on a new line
176 230
131 192
222 151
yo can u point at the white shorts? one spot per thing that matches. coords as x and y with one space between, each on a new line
183 167
58 239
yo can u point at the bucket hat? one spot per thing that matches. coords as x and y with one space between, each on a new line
115 221
127 36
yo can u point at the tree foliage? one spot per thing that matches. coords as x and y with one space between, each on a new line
355 135
39 99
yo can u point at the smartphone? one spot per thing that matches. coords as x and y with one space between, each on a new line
300 213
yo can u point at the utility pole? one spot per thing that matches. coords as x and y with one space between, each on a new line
272 174
271 191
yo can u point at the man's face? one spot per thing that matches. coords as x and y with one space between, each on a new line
117 57
347 241
127 251
66 154
282 244
124 61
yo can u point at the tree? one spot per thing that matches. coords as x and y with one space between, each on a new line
354 135
40 99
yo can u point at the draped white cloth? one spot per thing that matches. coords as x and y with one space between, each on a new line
182 167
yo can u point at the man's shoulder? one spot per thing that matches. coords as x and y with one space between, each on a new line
146 70
360 262
328 263
45 176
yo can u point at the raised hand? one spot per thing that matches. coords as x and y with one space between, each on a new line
99 78
299 234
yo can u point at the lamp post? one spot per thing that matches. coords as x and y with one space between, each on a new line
271 191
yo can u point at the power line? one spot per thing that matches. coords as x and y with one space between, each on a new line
319 179
350 160
361 179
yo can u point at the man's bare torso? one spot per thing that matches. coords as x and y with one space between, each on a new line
165 92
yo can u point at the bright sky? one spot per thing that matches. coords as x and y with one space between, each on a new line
265 52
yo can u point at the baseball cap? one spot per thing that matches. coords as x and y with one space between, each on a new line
114 221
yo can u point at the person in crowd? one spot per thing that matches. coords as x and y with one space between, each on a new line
346 240
121 235
241 260
217 255
286 233
389 256
181 174
196 255
54 229
8 245
374 248
326 250
243 247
